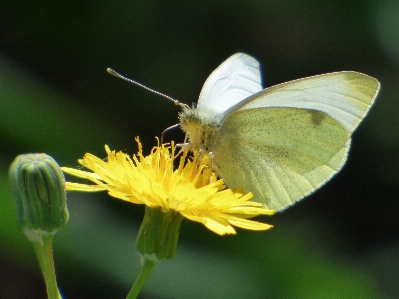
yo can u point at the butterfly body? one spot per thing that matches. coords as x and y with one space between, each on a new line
283 142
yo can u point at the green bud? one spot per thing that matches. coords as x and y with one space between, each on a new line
158 234
39 189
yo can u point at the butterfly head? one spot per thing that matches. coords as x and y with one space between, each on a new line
201 133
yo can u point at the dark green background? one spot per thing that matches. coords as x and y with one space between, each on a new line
55 97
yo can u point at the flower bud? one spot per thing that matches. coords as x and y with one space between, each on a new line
39 189
158 234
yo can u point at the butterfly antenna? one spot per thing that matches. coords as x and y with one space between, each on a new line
116 74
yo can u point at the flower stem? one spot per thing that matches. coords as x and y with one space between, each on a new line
141 279
44 253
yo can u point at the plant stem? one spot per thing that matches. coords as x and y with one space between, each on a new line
141 279
44 253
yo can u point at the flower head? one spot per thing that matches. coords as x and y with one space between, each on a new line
191 190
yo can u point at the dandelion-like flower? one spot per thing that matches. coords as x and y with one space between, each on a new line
190 190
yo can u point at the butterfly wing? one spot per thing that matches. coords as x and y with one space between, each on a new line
280 154
287 140
234 80
345 96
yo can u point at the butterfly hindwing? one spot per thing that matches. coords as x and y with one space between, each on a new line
280 154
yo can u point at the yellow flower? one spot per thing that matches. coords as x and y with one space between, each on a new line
191 189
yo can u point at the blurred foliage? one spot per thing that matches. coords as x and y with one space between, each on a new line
341 242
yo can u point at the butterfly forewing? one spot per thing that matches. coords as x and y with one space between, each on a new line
345 96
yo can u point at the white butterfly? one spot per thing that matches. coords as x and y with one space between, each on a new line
283 142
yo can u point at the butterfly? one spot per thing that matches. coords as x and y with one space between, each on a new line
280 143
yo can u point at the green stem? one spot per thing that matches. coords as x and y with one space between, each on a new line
141 279
44 253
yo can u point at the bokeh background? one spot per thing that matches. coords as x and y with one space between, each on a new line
56 97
